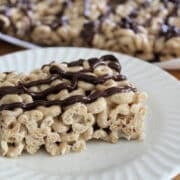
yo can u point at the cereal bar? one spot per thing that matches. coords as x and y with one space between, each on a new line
63 105
148 29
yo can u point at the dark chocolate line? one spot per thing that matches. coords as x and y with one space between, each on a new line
169 31
94 62
42 81
64 6
74 77
75 63
88 32
46 65
84 77
22 88
92 27
57 73
70 100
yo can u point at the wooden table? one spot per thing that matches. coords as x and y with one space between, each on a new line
6 48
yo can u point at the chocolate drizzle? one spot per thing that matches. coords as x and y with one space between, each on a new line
128 23
93 27
59 22
1 25
84 77
70 100
73 77
94 62
169 31
61 18
88 32
65 4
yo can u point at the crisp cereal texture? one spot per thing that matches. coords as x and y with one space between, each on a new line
148 29
60 129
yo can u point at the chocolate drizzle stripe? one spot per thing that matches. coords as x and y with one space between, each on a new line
93 62
91 28
42 81
75 63
70 100
57 73
46 65
22 88
84 77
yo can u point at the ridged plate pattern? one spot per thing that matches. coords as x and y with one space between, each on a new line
157 157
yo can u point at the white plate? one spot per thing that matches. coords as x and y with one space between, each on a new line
158 157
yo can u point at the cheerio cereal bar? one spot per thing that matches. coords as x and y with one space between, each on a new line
148 29
63 105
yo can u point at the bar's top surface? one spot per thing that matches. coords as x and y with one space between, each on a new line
94 71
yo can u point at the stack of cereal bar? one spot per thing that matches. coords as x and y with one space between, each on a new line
148 29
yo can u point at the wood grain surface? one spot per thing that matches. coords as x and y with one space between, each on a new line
6 48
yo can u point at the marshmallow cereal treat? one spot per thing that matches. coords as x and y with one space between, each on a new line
63 105
147 29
